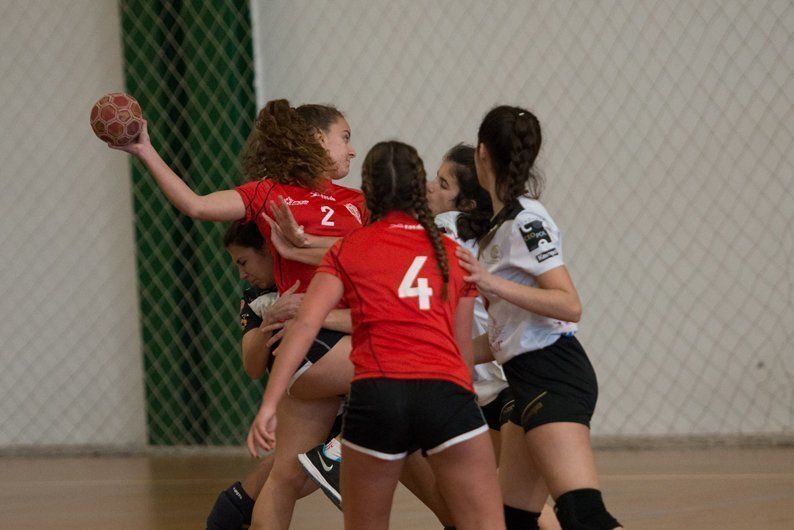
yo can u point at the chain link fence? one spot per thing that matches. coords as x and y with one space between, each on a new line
668 144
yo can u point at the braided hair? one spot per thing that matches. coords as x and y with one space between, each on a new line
512 136
472 201
393 179
283 145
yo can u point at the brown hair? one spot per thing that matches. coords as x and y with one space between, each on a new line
512 136
394 179
283 145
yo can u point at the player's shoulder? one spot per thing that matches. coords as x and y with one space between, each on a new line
257 187
345 193
531 209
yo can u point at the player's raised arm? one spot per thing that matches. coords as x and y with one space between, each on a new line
226 205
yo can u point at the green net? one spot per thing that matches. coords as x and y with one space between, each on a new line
190 66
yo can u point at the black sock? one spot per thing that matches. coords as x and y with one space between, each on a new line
232 509
518 519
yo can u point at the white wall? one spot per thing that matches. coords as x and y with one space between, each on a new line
70 355
669 154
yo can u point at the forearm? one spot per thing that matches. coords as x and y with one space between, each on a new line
220 206
256 353
324 242
482 349
551 303
310 256
339 320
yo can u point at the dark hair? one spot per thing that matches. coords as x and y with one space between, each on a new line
512 136
283 145
472 201
393 179
243 235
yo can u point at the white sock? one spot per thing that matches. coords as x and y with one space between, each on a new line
333 450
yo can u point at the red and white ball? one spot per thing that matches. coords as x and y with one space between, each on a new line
116 118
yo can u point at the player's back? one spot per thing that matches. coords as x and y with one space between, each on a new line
402 328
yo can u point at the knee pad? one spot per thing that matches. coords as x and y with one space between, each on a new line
232 509
518 519
583 510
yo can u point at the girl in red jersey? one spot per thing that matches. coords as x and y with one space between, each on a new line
533 308
412 316
292 156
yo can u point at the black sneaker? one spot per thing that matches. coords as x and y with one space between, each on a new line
324 471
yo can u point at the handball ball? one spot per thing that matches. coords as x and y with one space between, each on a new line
116 119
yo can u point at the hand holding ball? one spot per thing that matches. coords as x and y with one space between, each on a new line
116 119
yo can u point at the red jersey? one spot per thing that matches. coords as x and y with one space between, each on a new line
331 211
402 329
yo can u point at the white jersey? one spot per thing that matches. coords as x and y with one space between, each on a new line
489 379
525 245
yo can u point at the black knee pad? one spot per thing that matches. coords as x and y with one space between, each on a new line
518 519
583 510
232 509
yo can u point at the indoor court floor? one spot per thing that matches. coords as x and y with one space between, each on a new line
717 488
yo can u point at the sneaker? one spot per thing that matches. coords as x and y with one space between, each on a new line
322 465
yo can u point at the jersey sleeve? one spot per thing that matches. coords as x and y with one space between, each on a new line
330 263
254 195
535 245
469 290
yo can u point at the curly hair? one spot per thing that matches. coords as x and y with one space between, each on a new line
472 200
394 179
512 136
283 144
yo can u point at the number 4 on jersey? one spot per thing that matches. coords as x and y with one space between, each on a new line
422 289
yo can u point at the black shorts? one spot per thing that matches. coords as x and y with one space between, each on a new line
323 342
497 412
390 418
554 384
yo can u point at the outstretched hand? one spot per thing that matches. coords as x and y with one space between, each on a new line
282 244
292 231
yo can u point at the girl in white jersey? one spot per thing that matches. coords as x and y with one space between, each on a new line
463 211
532 307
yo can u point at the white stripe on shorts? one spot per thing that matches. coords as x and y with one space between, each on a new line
299 372
458 439
376 454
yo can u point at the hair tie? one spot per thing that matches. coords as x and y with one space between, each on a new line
521 114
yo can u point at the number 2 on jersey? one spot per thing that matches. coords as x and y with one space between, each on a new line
328 211
422 289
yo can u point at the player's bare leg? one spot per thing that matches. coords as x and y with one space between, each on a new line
562 453
302 425
368 485
418 477
467 478
330 376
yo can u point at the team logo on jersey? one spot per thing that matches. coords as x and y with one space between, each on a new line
292 202
543 256
535 234
492 254
326 197
354 212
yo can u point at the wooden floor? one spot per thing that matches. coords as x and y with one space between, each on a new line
659 489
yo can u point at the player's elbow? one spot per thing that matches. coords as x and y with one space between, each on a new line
574 311
196 208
